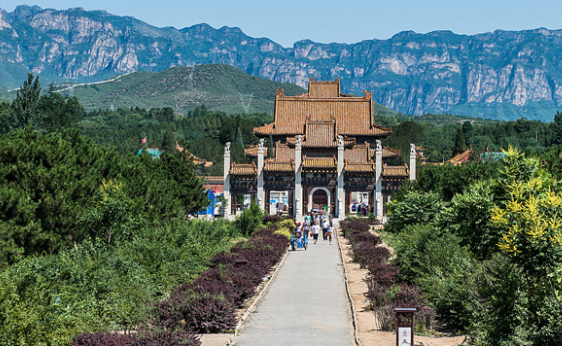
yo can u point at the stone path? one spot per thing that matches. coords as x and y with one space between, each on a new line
306 304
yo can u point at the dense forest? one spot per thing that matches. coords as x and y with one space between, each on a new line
203 132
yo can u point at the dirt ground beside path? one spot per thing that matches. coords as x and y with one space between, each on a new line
366 333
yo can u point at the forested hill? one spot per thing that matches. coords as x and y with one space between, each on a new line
501 75
219 87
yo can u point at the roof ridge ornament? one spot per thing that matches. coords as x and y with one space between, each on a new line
340 141
298 142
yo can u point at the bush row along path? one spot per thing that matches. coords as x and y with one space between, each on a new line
307 303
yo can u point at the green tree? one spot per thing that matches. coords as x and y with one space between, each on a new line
510 129
239 140
169 142
460 142
237 150
250 220
229 130
415 208
57 111
556 129
467 129
111 214
270 147
404 134
6 117
470 214
26 103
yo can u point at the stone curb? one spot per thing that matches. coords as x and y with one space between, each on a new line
352 306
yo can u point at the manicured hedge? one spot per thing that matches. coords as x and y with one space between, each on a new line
144 338
207 304
385 290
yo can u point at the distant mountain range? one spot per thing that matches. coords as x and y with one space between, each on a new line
501 75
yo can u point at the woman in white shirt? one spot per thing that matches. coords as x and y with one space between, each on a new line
315 231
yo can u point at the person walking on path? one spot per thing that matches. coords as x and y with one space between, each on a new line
330 233
315 232
325 226
314 218
306 228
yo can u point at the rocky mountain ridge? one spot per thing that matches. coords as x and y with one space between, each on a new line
503 74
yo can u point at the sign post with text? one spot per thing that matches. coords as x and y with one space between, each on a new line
405 326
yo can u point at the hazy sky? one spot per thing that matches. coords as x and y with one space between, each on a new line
288 21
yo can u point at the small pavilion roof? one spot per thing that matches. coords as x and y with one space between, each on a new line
319 163
243 169
278 166
359 167
195 159
460 158
395 171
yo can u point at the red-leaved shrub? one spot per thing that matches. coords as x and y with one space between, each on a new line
206 305
142 338
383 291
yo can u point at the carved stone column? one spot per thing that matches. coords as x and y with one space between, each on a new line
412 162
298 179
227 211
340 193
260 189
378 180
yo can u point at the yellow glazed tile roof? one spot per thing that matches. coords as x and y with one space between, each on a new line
460 158
395 171
367 167
353 115
277 166
319 162
243 169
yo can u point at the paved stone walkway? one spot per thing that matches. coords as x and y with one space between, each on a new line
306 304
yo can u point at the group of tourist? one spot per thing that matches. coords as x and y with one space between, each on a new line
313 223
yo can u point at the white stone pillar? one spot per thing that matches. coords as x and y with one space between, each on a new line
298 180
227 214
412 162
378 180
340 194
261 191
